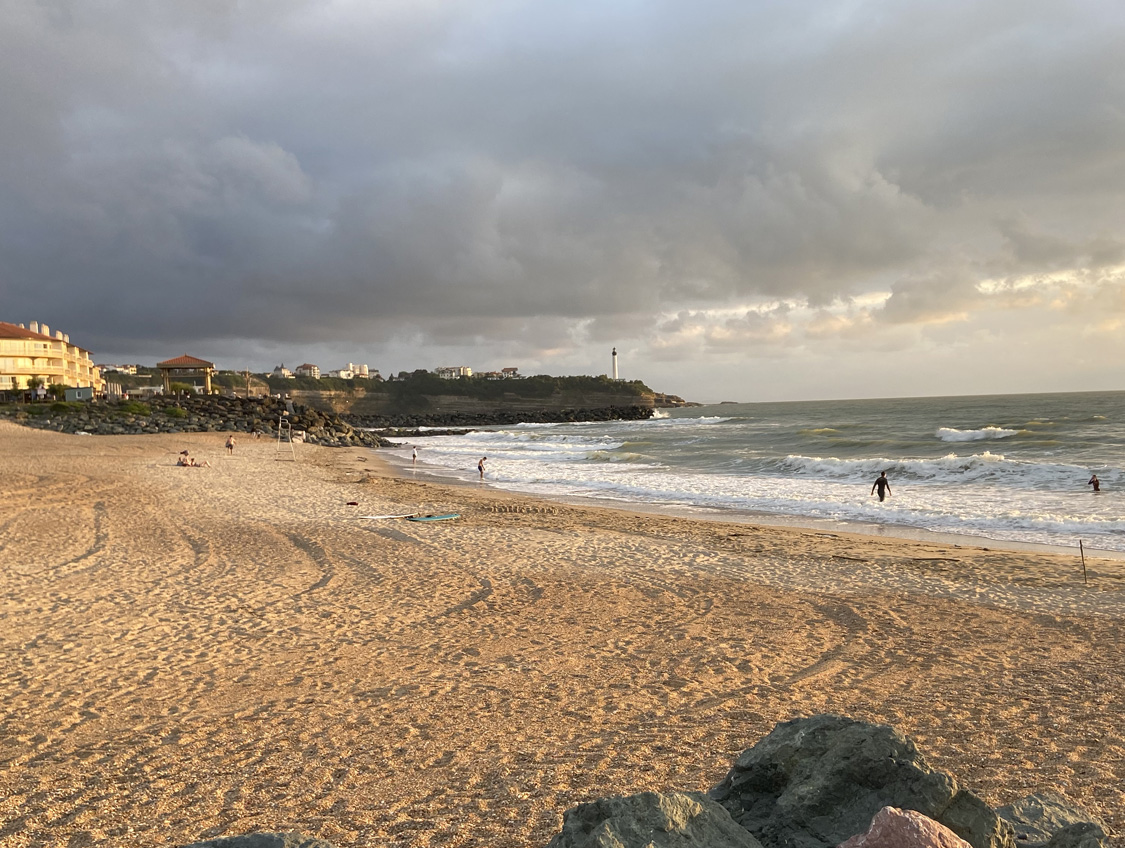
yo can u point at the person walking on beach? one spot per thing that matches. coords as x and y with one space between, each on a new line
883 485
230 444
480 466
1095 483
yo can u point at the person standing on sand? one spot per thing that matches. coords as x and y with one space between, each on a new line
1094 482
480 466
883 485
230 444
414 457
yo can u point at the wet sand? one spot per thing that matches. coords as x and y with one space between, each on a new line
194 652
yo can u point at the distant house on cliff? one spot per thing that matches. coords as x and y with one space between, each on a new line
308 370
343 374
452 373
282 371
119 369
510 373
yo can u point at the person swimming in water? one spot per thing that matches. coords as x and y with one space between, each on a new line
1095 483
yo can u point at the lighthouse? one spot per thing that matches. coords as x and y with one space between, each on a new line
615 363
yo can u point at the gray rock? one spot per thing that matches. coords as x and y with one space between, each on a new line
652 820
1080 835
263 840
815 782
1048 818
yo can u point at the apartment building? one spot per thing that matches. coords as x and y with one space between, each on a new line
32 352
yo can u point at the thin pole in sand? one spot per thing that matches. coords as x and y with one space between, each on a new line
1083 553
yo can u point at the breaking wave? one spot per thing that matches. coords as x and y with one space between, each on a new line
951 434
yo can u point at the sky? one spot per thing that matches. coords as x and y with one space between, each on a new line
750 200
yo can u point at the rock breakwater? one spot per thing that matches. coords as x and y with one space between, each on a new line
192 414
501 417
218 413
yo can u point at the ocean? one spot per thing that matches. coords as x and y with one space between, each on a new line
1010 468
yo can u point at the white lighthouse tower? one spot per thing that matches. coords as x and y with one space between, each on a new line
615 363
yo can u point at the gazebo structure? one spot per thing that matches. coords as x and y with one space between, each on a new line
186 366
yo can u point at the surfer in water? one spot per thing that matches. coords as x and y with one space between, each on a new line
883 485
1095 483
480 466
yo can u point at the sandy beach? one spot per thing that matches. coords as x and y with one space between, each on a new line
194 652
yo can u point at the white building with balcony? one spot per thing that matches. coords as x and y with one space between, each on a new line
32 353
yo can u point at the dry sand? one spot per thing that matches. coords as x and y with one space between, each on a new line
187 653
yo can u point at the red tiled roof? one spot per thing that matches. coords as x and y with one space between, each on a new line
185 361
14 331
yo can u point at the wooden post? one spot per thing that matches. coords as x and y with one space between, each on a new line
1083 553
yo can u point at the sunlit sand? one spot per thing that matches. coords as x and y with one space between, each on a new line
193 652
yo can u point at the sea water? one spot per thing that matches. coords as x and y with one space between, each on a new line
1005 467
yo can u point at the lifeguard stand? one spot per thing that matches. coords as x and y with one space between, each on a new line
285 437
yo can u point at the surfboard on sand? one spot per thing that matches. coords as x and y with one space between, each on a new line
444 517
404 515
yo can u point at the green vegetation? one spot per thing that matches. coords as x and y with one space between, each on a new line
135 407
413 390
175 412
280 385
64 406
421 383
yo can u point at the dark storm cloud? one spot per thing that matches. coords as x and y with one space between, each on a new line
453 172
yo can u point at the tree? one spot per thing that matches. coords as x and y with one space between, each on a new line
57 391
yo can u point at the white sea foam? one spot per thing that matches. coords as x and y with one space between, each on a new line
1032 491
951 434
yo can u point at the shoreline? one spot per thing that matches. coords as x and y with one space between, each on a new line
986 574
401 467
190 653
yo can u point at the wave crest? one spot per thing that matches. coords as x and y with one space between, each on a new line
952 434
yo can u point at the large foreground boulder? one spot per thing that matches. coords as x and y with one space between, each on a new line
652 820
263 840
895 828
1047 819
816 782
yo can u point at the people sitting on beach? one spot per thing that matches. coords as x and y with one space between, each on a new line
183 459
194 464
